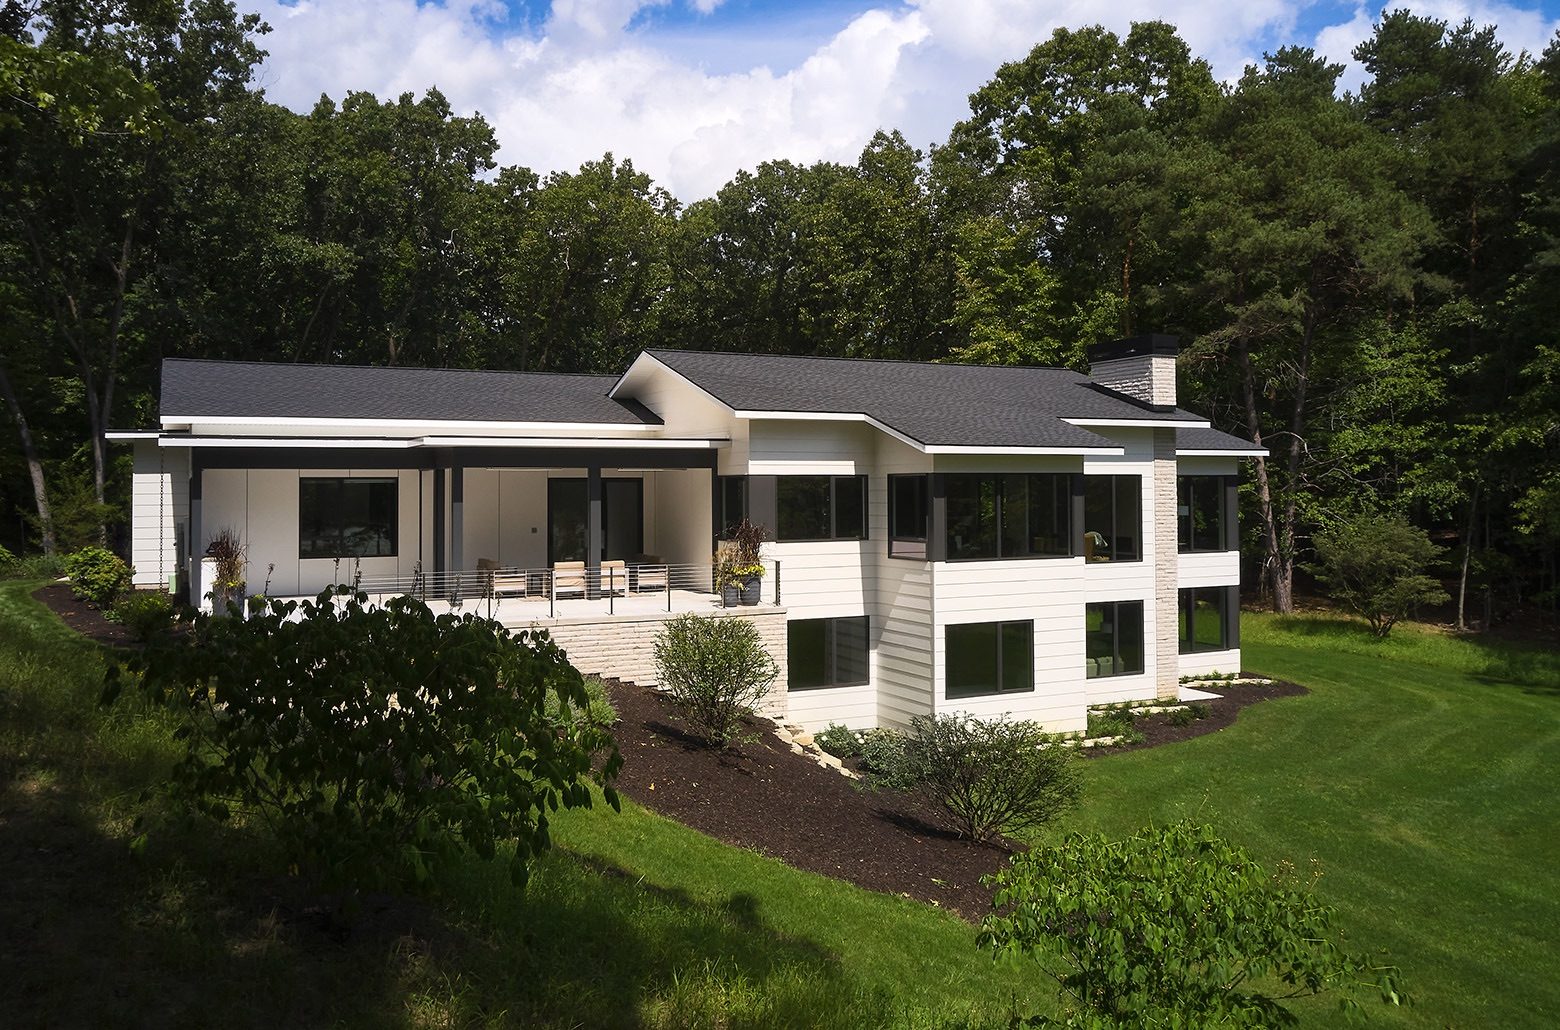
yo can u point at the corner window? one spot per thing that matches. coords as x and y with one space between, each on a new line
821 508
1009 516
909 514
1112 518
1113 638
989 658
827 653
1204 512
347 518
1209 619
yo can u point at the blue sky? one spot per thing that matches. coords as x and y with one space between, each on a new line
693 90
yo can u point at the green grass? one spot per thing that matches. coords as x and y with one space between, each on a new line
1418 773
632 921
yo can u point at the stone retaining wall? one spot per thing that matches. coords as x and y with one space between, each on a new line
623 647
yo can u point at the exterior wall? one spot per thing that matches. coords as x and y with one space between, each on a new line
688 411
902 655
262 506
1148 377
684 520
1208 569
159 512
1129 581
624 647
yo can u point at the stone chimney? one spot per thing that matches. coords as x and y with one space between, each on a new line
1139 366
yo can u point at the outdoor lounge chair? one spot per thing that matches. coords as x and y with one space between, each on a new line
613 576
568 577
649 572
501 582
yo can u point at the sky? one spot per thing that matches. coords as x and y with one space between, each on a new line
694 90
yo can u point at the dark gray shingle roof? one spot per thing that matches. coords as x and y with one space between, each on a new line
938 405
1210 440
259 390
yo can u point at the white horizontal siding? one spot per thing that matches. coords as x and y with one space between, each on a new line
1204 662
1208 569
814 710
159 502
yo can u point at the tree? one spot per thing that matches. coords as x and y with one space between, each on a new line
1172 927
378 742
716 669
1376 566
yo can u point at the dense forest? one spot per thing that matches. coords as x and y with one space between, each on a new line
1365 283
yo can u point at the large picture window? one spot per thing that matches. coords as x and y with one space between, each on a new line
347 518
909 515
821 507
827 653
1209 619
1113 518
989 658
733 499
1008 516
1204 512
1113 638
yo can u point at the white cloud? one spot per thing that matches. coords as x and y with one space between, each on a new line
589 81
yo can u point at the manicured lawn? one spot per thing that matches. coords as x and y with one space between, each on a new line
1418 773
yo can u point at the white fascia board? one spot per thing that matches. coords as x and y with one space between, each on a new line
1088 452
834 416
285 442
131 434
1248 452
1142 423
373 424
570 441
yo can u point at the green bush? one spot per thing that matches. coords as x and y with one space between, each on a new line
377 743
1112 721
7 561
839 741
992 776
145 614
883 756
35 566
716 669
97 575
1377 566
1173 927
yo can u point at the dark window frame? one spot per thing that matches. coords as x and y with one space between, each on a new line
1115 482
725 518
859 481
1000 629
338 510
1070 532
1228 617
924 481
831 650
1187 491
1116 662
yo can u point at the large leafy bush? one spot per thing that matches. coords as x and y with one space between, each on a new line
1378 566
97 575
1172 927
716 669
378 742
146 615
991 776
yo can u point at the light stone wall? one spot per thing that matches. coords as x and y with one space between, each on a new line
1148 377
1167 665
623 647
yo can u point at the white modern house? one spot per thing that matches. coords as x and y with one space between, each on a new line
944 537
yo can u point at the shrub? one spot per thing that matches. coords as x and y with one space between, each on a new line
839 741
145 614
377 742
992 776
1171 927
7 561
1112 721
97 575
716 669
1377 566
36 566
883 755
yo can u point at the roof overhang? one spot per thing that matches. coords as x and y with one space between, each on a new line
1247 452
375 425
427 442
1141 423
131 434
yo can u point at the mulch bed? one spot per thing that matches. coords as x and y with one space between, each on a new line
1157 729
84 617
758 794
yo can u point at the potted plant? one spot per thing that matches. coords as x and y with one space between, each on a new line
739 569
226 555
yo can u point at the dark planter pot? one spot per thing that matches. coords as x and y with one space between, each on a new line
730 594
751 589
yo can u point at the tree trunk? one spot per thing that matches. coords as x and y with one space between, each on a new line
34 466
1279 569
1467 542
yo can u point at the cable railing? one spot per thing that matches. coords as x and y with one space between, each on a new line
568 588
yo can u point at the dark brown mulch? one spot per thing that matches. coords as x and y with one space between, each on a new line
1157 729
83 616
760 795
